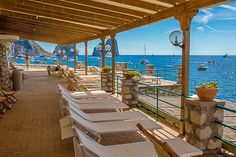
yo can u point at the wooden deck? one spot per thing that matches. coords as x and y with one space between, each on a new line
31 128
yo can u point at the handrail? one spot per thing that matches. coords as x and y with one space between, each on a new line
226 108
226 125
226 141
157 98
158 88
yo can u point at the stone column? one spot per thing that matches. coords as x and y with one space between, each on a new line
129 97
106 81
5 79
150 70
120 66
200 126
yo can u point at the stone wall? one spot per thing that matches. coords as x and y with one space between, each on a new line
5 79
120 66
106 81
200 126
128 94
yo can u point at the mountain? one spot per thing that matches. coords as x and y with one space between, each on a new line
23 47
97 51
60 48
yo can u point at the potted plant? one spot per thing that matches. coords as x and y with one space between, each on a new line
207 91
106 69
130 74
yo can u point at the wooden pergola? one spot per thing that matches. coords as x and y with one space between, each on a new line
76 21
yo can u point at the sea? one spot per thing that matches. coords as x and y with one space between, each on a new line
219 69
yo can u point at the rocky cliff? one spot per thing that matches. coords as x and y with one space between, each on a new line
23 47
97 51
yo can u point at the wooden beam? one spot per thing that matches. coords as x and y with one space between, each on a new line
75 55
67 57
86 57
103 51
113 61
185 24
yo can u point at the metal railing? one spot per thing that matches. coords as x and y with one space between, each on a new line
228 144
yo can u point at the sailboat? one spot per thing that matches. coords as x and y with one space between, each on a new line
226 55
144 61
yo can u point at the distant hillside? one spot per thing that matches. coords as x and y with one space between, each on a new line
26 47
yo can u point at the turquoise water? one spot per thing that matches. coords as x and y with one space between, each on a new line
223 71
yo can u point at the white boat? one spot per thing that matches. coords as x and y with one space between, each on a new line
144 61
201 67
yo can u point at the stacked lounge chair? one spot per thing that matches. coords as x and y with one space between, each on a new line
93 114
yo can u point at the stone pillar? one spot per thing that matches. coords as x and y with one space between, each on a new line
106 81
179 75
150 70
120 66
5 79
200 125
129 97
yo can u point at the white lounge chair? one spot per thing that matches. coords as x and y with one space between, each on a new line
95 106
138 149
108 116
114 126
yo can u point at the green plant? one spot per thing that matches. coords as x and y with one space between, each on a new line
212 85
106 69
131 74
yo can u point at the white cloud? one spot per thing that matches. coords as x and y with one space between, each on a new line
204 19
228 7
171 30
201 28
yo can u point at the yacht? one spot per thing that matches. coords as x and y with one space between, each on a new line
201 67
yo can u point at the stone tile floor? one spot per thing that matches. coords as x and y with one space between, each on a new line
31 127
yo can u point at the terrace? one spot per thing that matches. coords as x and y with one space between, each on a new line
33 122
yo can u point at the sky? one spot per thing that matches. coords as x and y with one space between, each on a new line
213 32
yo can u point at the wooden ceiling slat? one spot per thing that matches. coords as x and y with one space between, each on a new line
104 7
46 22
124 4
69 9
9 7
157 2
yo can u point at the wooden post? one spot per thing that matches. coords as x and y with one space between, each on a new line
113 61
86 57
67 57
185 24
103 51
75 54
61 50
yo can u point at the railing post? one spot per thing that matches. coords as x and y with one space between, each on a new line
86 57
157 103
113 61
